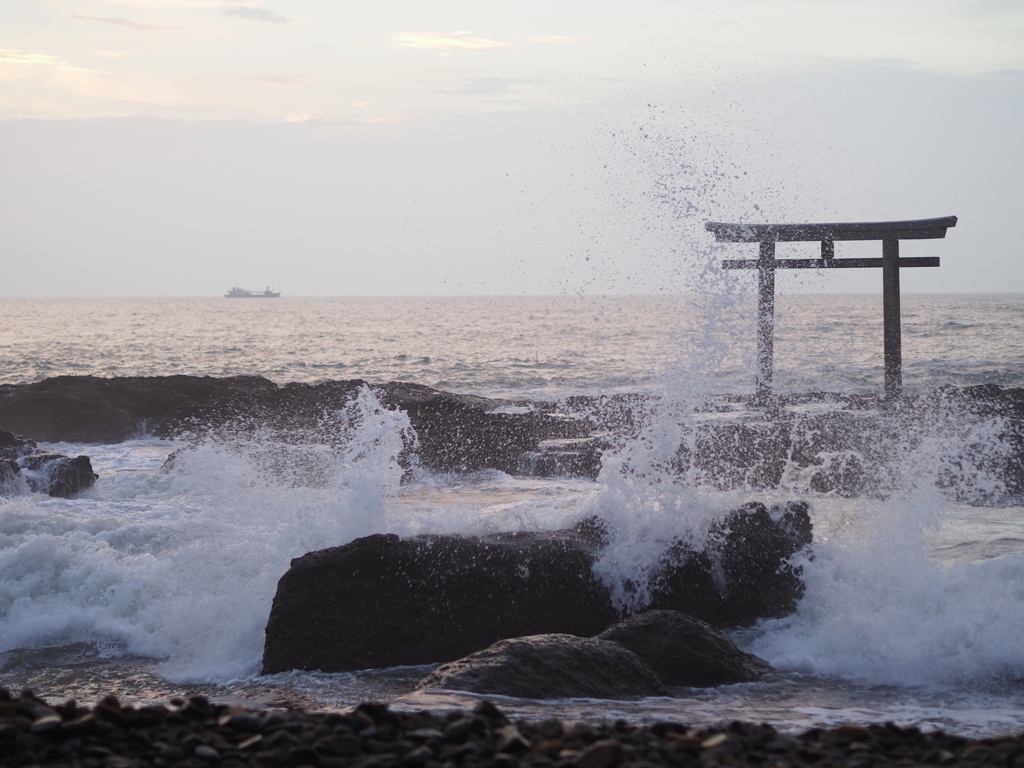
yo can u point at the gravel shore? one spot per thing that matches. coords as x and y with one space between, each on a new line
198 733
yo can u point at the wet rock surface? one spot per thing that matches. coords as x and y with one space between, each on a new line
199 733
847 445
683 650
455 433
383 601
971 438
465 433
550 666
24 466
91 409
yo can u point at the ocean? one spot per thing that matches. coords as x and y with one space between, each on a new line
154 585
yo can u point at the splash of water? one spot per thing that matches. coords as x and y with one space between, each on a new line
186 567
879 607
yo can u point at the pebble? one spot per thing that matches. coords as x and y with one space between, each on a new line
199 734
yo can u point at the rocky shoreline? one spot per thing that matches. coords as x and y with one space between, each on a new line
848 445
198 733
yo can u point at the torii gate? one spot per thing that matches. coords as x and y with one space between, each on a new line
889 232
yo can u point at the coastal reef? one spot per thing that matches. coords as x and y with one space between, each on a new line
198 733
454 432
971 439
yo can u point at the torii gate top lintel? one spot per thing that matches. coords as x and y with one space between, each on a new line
889 232
913 229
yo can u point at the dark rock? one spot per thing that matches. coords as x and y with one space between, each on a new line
846 445
750 549
99 410
14 446
456 433
623 412
58 475
10 477
1003 410
827 443
844 474
552 666
683 650
23 466
465 433
603 753
572 457
382 601
751 454
743 573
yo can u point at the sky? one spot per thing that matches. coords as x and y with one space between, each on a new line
332 148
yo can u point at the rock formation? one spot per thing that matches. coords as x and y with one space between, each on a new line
23 466
455 433
549 667
821 442
630 659
683 650
383 601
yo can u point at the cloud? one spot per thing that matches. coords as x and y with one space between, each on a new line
462 40
42 59
279 79
308 118
453 41
893 62
255 14
19 57
489 86
112 54
120 22
550 39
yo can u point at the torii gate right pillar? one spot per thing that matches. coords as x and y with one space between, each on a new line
765 319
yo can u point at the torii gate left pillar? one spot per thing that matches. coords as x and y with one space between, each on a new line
889 232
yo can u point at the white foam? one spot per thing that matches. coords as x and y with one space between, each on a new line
879 609
884 612
183 566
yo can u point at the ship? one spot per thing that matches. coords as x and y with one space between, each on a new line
241 293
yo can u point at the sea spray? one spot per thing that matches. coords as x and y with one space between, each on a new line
653 494
879 608
884 613
189 576
648 501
